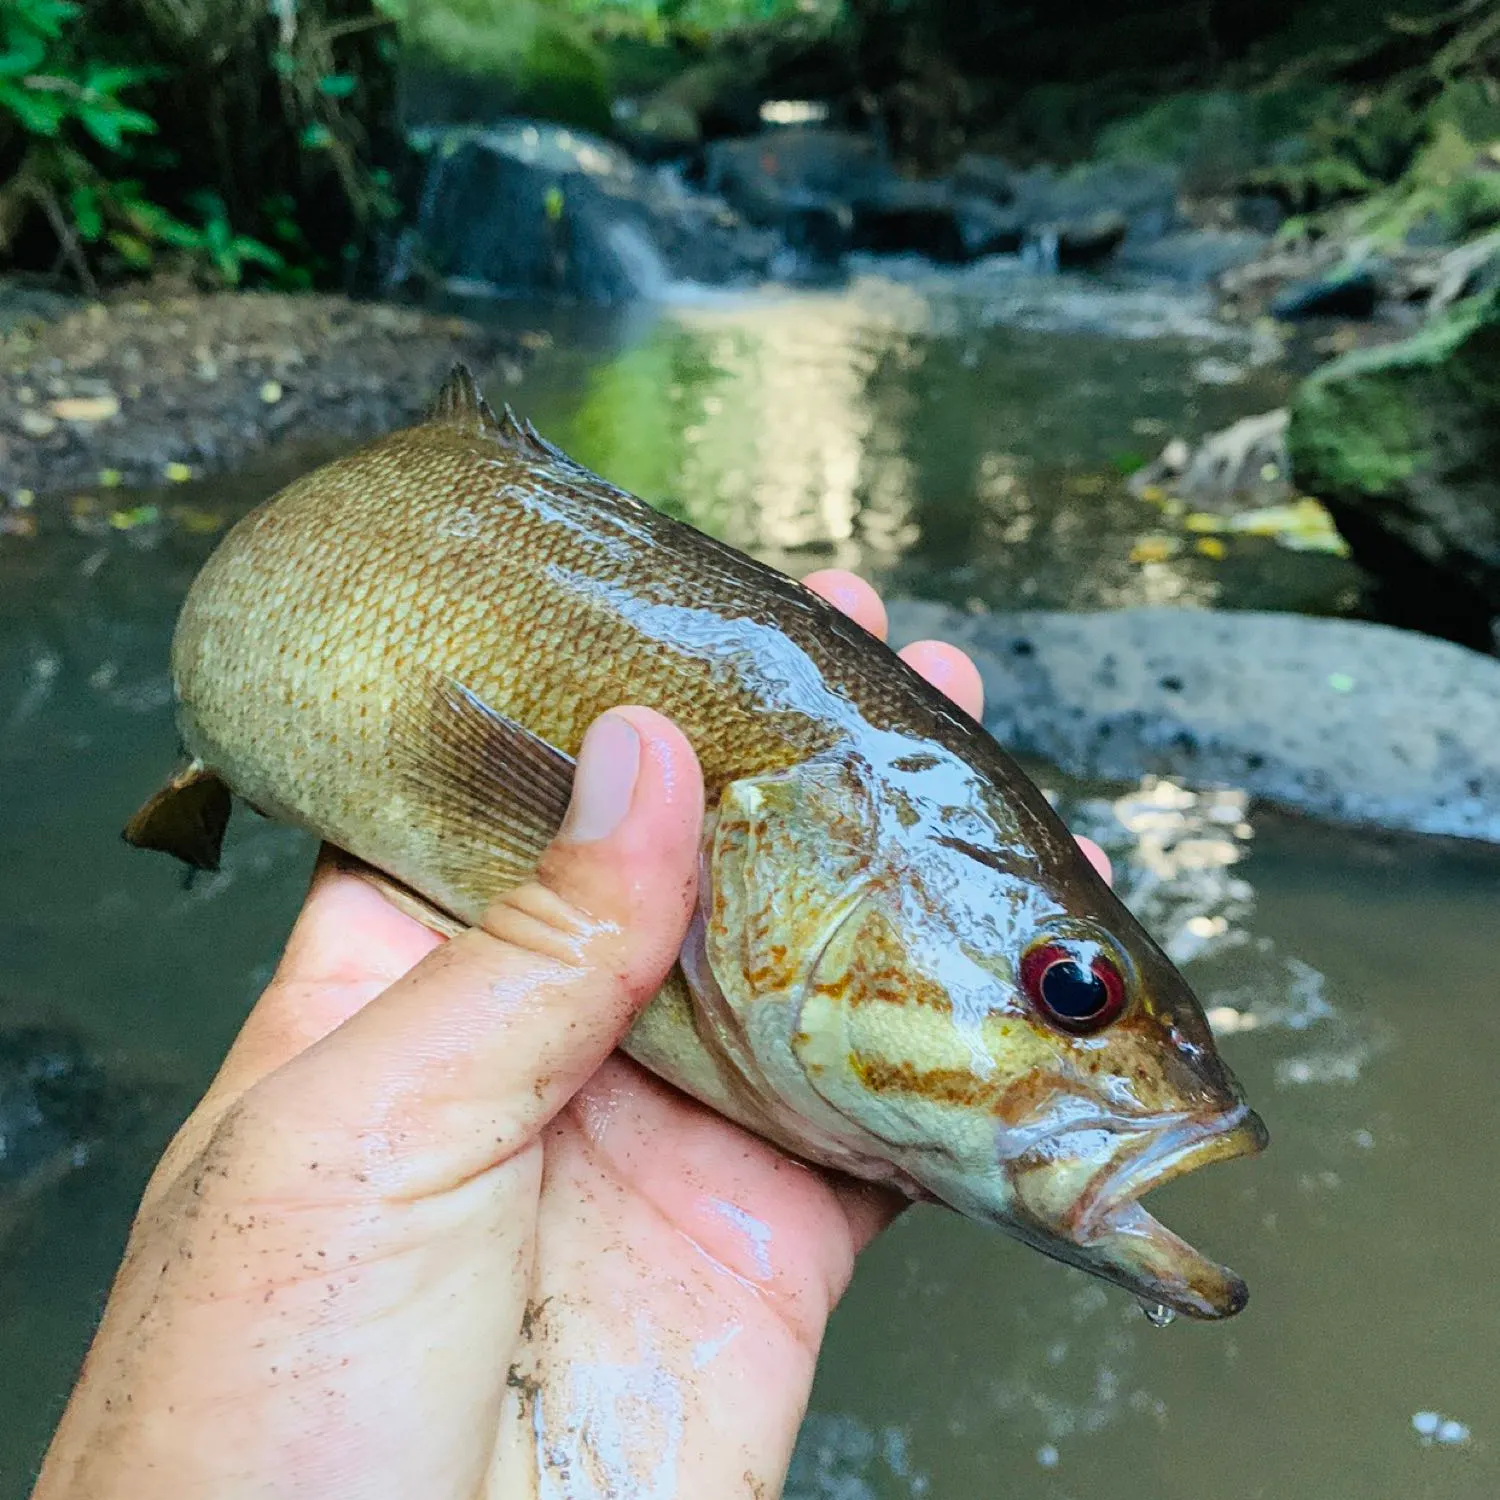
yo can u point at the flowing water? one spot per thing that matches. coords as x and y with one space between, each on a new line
962 443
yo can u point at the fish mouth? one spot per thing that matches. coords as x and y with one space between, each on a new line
1119 1240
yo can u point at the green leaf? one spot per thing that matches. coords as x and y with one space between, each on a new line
26 55
338 85
112 80
283 63
87 219
256 253
316 136
134 251
41 113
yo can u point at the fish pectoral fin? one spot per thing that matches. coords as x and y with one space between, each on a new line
186 818
493 794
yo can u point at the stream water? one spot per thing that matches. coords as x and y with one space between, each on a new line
960 440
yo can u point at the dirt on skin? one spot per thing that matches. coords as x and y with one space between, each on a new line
169 384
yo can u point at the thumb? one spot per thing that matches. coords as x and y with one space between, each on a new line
461 1063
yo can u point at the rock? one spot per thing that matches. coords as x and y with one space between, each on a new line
988 229
533 208
1350 294
1196 256
976 175
1402 443
817 229
1143 195
758 174
896 217
1244 464
1088 242
1356 723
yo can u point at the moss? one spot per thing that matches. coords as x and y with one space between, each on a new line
1368 422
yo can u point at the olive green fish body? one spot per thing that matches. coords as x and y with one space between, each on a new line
402 649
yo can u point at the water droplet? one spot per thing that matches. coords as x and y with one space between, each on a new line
1157 1315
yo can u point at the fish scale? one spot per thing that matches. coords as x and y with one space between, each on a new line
401 652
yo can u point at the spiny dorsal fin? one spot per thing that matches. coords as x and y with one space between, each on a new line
461 405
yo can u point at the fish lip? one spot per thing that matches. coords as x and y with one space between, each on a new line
1126 1244
1171 1153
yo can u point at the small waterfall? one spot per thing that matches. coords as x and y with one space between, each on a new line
640 260
1040 252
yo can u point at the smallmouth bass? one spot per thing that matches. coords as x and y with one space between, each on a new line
901 965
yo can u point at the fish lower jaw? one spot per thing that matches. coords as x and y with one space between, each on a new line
1118 1239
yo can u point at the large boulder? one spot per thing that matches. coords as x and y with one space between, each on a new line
1402 443
1355 723
525 207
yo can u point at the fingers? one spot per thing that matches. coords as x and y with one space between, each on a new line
950 671
850 593
1097 857
348 945
459 1064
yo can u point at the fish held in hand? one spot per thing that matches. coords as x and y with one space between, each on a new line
900 966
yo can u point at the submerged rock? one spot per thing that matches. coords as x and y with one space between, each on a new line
55 1104
1356 723
1402 444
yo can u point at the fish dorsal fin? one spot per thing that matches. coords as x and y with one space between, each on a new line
460 404
492 794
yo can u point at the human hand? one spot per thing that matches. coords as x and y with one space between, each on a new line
427 1233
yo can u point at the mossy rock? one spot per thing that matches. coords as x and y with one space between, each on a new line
1402 443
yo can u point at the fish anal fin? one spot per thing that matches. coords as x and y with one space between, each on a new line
186 818
492 794
397 892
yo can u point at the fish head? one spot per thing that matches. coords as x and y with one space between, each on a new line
929 975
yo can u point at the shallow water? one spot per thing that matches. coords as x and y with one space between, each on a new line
1352 977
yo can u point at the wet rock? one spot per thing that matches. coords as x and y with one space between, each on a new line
1350 294
1402 444
533 208
818 230
1355 723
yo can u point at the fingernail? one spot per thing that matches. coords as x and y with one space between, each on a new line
608 763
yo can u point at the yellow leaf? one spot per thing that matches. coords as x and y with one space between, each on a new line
1210 546
177 473
111 478
1201 520
270 392
1153 549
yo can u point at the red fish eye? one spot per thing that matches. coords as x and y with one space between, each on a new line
1074 995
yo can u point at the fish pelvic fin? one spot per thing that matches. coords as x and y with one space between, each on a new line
493 793
186 818
460 404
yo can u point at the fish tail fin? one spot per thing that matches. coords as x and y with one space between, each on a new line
186 818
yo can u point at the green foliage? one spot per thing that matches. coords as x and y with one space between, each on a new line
222 137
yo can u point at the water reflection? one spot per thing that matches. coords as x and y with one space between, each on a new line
878 429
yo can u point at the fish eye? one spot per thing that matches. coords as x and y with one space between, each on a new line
1080 992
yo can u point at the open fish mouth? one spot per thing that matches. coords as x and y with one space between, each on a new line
1119 1240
